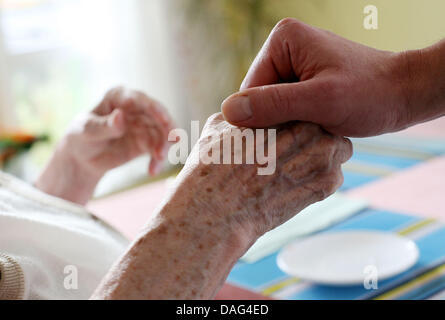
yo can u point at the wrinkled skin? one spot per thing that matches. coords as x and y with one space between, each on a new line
125 125
308 169
215 212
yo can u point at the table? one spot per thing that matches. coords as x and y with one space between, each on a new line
390 178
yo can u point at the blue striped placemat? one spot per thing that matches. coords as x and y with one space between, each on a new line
423 281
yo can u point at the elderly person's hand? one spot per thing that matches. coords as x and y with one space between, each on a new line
217 211
125 125
308 161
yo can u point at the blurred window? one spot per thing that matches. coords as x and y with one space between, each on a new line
50 48
59 57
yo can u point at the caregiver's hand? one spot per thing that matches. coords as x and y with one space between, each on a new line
215 212
305 73
126 124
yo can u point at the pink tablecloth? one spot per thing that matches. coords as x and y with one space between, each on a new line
433 129
419 190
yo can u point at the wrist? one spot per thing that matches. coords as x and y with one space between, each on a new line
181 254
198 189
423 84
65 177
209 217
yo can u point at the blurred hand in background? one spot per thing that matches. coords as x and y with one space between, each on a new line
125 125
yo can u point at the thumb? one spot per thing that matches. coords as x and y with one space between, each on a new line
111 126
310 100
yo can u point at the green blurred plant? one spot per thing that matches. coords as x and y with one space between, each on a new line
237 28
16 143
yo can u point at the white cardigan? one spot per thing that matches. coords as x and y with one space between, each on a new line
50 248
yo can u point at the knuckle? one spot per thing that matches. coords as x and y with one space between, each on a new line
285 24
284 29
92 126
327 139
306 132
141 96
118 88
213 119
115 90
337 179
343 150
328 147
332 181
215 125
322 161
129 101
349 148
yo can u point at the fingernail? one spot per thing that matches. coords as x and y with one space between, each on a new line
237 109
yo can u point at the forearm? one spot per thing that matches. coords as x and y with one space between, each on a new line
64 178
184 253
218 211
423 79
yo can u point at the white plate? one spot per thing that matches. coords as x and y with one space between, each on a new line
347 257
